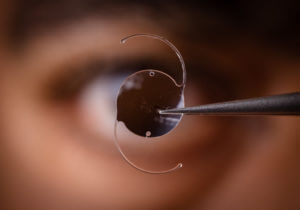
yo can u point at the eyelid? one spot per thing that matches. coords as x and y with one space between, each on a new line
74 77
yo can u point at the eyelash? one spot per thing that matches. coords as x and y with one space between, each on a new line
68 87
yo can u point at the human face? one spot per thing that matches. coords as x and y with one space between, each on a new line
57 116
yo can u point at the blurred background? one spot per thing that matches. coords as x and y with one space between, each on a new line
60 70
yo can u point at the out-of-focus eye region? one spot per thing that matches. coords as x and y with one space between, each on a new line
140 98
93 83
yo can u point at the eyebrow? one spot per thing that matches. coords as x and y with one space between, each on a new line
31 15
92 38
57 54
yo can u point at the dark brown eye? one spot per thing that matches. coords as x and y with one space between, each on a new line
141 97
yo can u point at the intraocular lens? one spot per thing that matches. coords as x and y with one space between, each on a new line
142 95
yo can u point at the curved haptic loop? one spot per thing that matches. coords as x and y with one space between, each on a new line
179 165
182 85
167 42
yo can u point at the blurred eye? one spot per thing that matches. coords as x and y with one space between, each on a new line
89 94
90 90
93 87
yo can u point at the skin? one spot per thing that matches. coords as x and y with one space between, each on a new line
54 154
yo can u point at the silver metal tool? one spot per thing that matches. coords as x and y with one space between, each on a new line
284 104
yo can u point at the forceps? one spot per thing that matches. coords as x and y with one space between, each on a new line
283 104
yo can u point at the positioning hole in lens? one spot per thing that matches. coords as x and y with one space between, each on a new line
151 73
148 133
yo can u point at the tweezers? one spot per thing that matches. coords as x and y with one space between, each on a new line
283 104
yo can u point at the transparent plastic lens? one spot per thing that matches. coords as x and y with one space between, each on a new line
141 96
